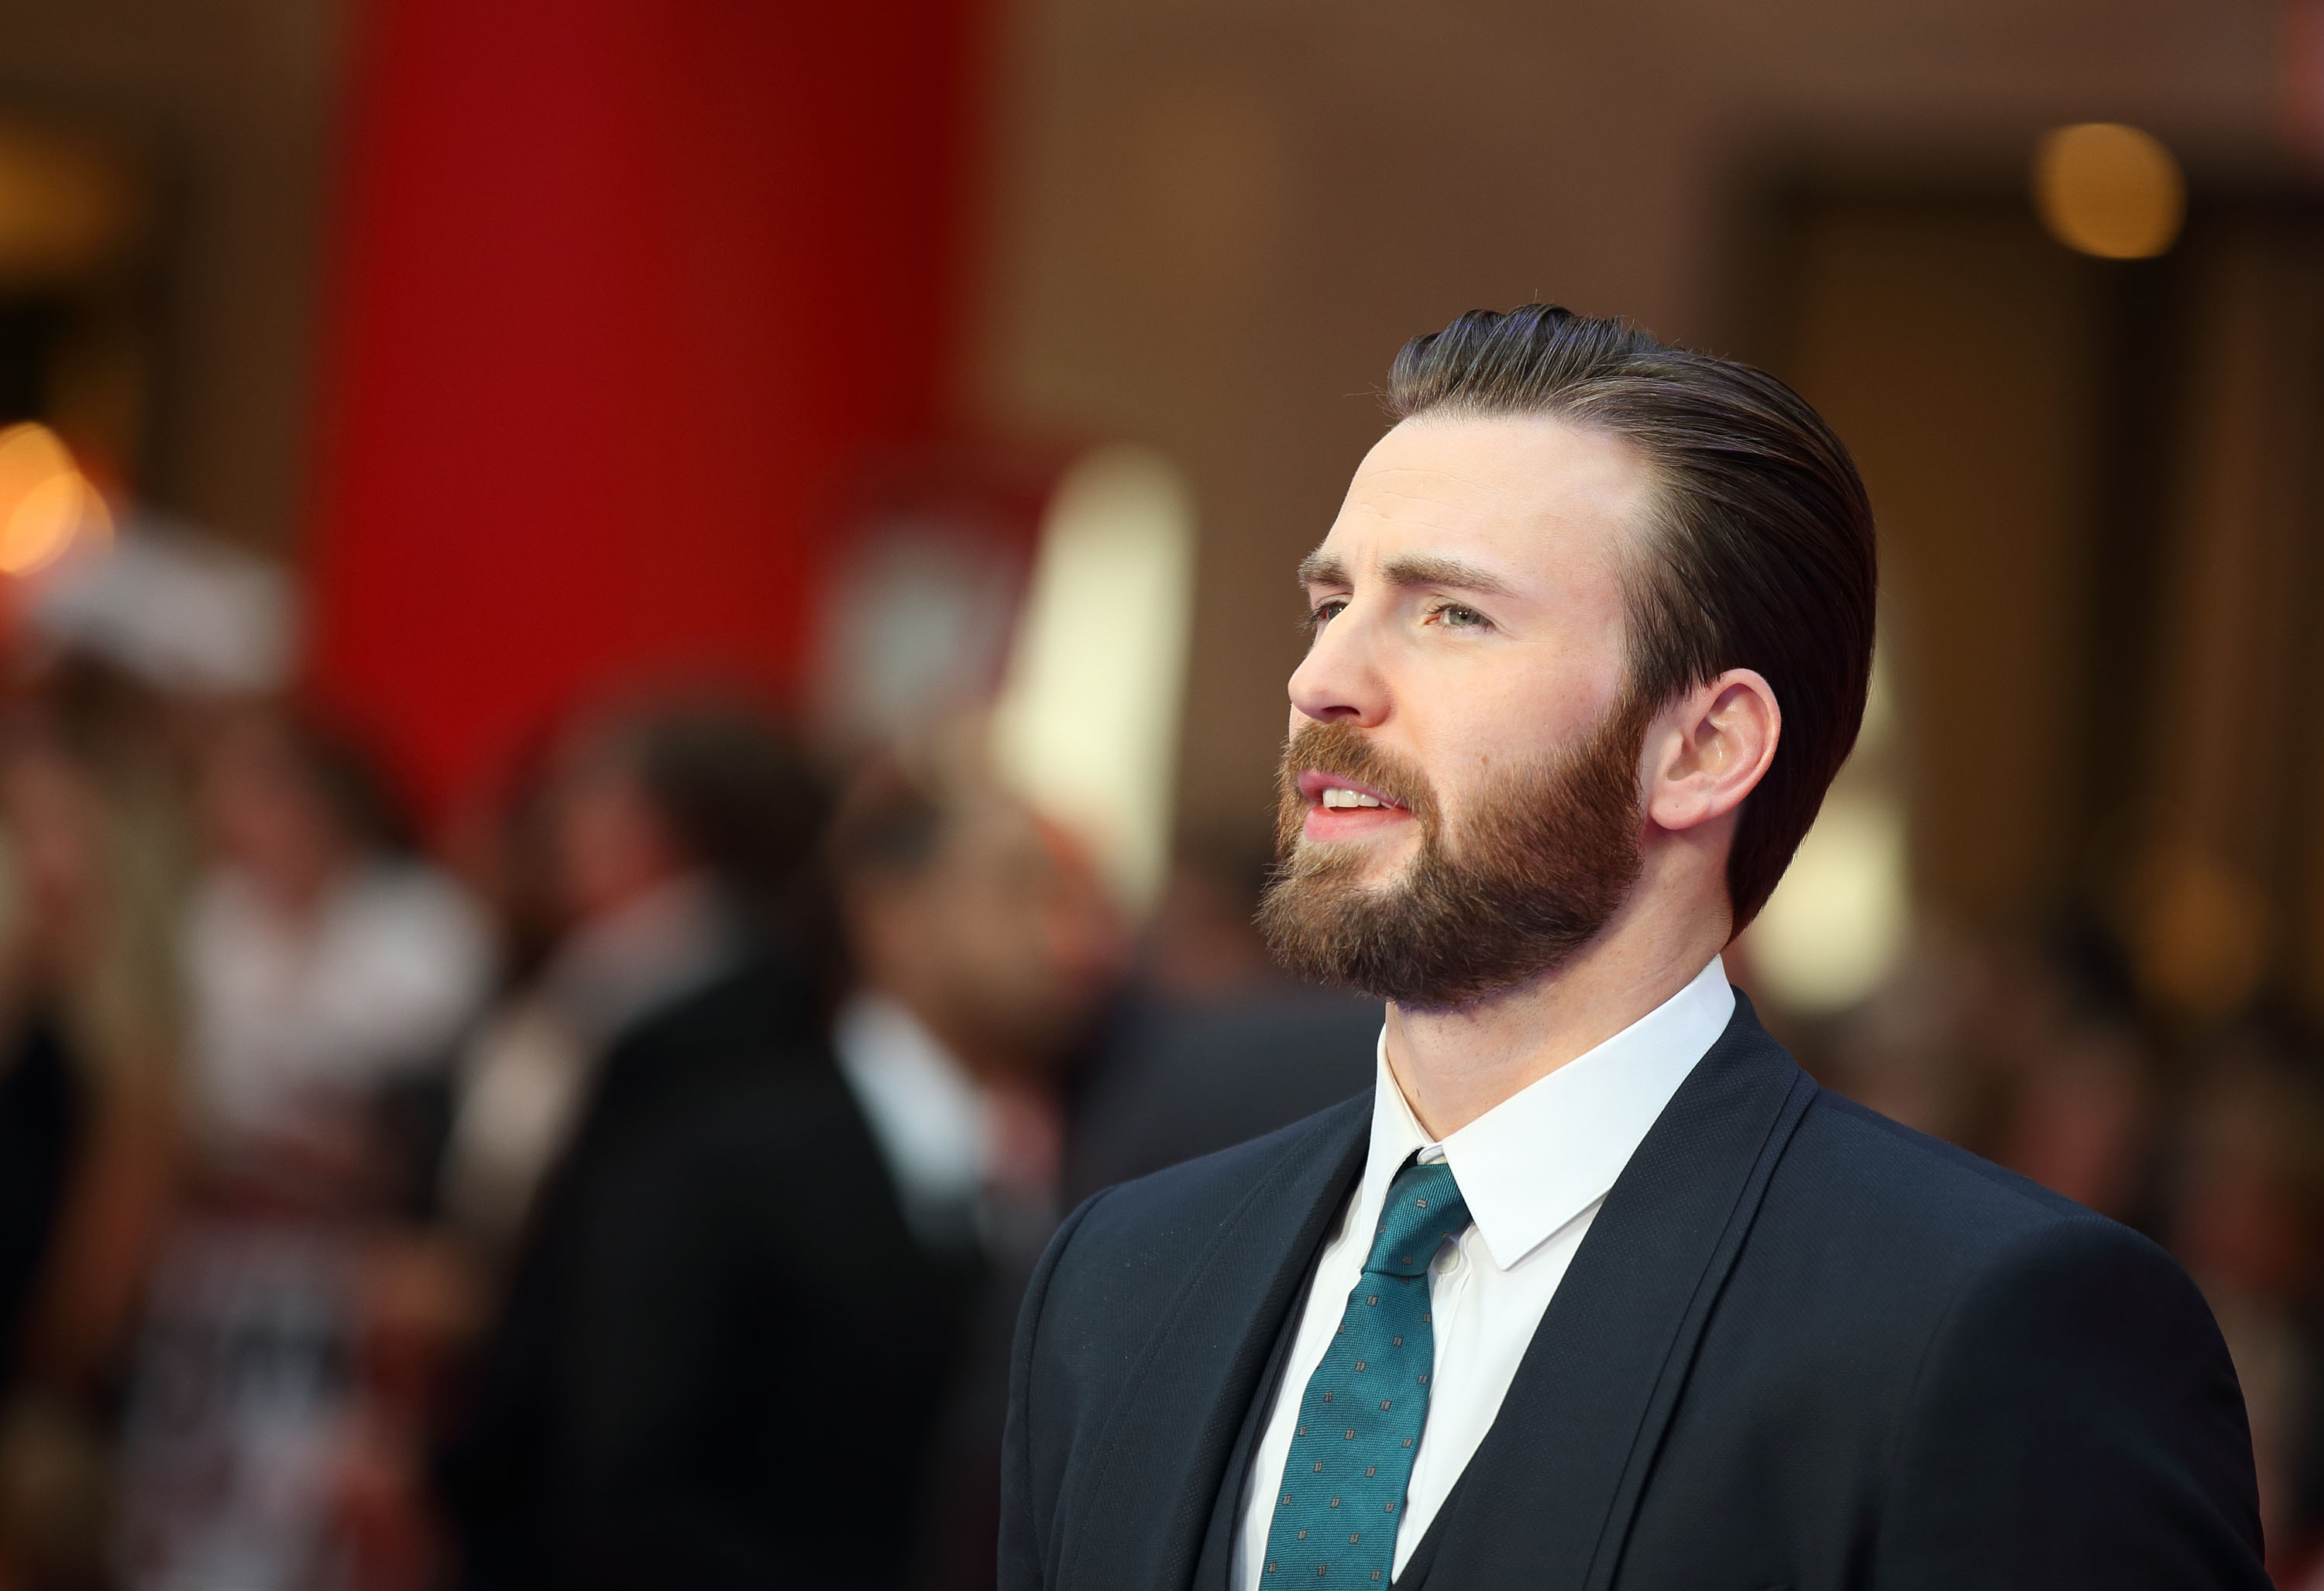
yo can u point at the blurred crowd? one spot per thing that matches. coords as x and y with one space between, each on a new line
634 1187
2207 1135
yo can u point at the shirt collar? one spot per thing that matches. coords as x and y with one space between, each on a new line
1553 1149
930 1118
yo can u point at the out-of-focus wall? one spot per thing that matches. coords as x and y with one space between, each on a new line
1216 222
232 103
1957 355
632 292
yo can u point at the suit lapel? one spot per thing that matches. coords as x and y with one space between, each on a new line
1548 1498
1198 1374
1210 1570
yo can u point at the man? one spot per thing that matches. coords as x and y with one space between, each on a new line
722 1354
984 949
1597 1289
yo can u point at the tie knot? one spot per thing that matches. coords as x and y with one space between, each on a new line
1424 1208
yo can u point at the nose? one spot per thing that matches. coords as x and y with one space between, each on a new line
1340 681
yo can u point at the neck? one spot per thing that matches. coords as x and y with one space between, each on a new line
1454 1065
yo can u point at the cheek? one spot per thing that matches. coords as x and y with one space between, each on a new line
1464 780
994 936
1480 737
1472 735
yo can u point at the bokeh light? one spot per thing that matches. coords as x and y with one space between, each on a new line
46 503
2109 191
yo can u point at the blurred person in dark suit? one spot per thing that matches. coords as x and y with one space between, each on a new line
983 948
720 1353
1596 1288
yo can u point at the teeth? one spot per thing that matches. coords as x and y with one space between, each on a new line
1335 796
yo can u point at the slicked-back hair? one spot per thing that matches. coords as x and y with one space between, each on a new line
1760 554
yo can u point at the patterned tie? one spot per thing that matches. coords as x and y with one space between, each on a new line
1335 1514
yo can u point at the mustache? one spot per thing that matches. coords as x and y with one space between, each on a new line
1342 750
1548 849
1347 751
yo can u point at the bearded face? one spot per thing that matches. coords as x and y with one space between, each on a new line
1541 857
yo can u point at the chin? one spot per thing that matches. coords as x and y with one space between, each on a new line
1377 863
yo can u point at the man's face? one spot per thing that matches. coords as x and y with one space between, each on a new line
1460 804
608 848
1004 941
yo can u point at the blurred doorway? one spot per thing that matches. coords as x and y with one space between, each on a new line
2102 578
77 291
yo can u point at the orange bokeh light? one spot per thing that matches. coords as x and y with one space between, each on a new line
46 503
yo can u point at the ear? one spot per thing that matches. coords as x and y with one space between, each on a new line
1709 748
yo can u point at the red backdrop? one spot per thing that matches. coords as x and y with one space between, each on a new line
627 291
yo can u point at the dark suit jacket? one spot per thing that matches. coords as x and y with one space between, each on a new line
43 1109
1801 1347
723 1356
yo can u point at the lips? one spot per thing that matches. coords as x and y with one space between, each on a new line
1339 786
1338 793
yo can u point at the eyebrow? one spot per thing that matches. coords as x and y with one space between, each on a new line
1322 569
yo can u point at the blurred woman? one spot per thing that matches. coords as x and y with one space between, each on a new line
326 963
88 878
329 969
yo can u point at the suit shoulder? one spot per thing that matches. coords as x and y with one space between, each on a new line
1179 1209
2075 1399
769 1125
1847 1141
1131 1248
1125 1264
1981 1288
1912 1205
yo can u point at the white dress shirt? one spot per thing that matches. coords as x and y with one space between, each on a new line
1533 1169
931 1122
975 1164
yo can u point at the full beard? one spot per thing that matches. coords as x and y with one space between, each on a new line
1545 857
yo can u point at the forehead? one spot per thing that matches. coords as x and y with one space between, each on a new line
1529 496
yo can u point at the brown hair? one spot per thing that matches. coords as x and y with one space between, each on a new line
1762 556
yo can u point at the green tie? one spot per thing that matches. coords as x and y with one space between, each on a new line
1360 1422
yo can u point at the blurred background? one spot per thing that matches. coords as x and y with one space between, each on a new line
647 636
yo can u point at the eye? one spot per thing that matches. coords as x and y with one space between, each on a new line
1458 616
1324 611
